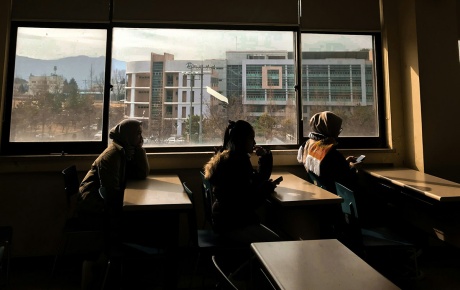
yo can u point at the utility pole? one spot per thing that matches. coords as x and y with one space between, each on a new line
201 67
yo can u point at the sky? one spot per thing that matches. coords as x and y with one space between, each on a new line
136 44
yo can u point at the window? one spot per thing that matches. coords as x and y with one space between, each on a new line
172 80
230 62
57 89
339 74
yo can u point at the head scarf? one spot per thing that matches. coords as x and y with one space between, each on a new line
126 133
326 123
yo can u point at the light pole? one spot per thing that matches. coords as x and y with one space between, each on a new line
192 66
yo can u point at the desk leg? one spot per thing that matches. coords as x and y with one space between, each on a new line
259 279
159 229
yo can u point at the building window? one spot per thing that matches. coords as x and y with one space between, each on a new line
272 77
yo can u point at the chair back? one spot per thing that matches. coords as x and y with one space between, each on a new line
71 182
226 283
192 224
349 232
112 218
314 179
349 201
208 199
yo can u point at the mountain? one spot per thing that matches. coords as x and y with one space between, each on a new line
77 67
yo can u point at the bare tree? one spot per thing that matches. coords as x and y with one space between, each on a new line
118 82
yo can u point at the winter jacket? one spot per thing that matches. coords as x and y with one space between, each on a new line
332 168
238 188
112 169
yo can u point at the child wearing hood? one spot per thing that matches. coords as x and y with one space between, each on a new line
320 156
123 159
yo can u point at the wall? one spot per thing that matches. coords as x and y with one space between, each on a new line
424 89
31 196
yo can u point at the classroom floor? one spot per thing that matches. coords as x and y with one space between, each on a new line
439 264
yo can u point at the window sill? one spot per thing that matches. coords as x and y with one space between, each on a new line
169 161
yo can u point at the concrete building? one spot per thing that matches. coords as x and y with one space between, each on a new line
52 83
166 92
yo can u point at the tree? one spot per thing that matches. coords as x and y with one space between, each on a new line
358 120
20 124
118 82
265 125
195 128
216 120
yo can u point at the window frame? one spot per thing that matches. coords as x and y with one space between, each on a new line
57 147
96 147
380 141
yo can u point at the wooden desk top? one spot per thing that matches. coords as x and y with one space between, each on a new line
158 191
318 264
428 185
294 191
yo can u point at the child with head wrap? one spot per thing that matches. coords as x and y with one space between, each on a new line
319 153
123 159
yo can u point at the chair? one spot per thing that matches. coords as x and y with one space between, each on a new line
224 281
205 241
6 236
208 199
363 240
314 179
72 225
117 250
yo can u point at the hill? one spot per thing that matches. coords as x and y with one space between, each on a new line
77 67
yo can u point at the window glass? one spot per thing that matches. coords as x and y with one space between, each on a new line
186 84
338 74
58 85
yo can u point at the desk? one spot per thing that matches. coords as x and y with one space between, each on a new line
425 201
157 192
295 191
152 208
317 264
302 209
428 185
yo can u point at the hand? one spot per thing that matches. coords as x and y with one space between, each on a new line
260 151
269 186
351 159
130 151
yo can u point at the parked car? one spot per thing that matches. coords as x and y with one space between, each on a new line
174 140
98 135
44 136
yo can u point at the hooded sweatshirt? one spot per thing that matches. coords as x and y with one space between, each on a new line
319 154
121 160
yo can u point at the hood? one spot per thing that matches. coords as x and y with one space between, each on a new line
326 123
126 132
